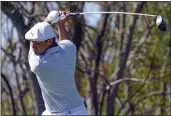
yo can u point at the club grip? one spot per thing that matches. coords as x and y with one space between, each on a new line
73 14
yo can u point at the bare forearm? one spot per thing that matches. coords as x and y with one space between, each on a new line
63 34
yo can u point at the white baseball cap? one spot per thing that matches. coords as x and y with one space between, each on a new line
40 32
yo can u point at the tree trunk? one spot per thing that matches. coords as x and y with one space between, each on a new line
113 91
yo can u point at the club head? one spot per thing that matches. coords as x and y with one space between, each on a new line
161 23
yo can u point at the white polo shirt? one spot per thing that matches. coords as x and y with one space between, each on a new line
55 73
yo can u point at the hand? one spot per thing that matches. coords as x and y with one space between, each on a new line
64 17
52 17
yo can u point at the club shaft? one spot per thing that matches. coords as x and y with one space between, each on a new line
128 13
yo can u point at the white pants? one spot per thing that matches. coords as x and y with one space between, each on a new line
81 110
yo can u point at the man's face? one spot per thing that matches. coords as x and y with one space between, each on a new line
40 46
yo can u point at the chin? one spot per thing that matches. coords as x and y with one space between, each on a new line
37 53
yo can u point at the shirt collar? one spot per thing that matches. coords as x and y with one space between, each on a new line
52 49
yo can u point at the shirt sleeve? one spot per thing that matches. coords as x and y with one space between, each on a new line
68 46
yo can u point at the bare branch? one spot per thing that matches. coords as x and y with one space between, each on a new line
11 93
126 79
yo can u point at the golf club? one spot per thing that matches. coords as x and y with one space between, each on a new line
159 19
54 16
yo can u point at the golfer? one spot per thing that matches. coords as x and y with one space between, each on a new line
54 65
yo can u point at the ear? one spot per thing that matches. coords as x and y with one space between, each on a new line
49 42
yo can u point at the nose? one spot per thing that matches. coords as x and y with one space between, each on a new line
34 44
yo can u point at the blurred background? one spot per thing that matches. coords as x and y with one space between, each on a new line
123 61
